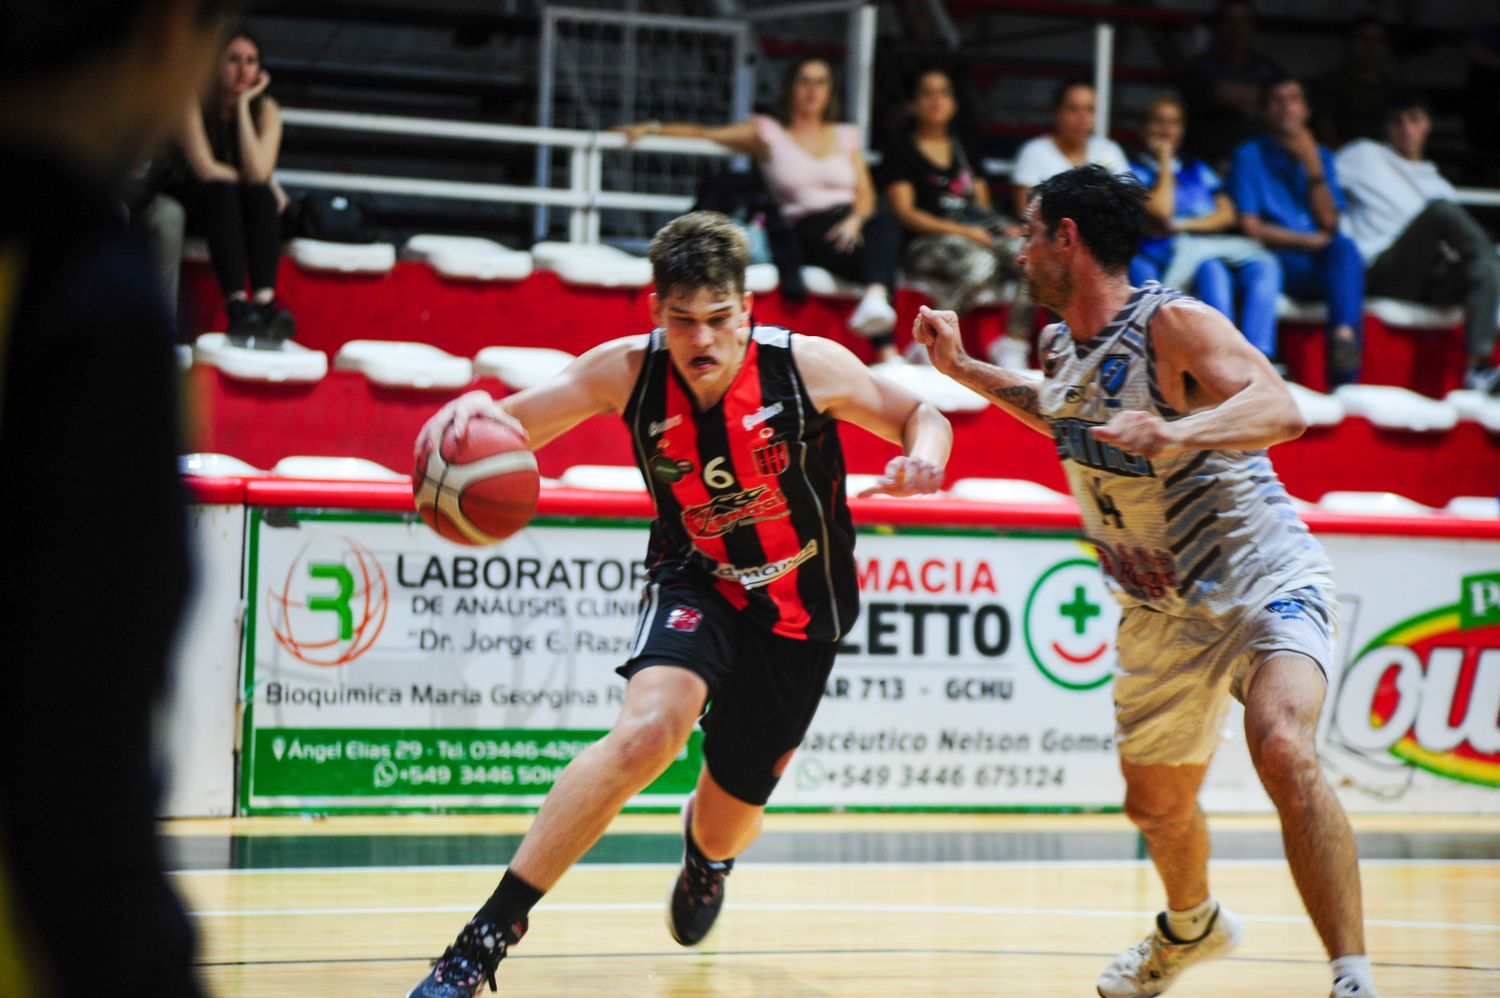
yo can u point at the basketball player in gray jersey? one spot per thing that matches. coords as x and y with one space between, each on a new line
1162 412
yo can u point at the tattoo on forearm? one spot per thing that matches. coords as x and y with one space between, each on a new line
1021 397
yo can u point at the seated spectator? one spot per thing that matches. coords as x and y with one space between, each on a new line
816 171
1416 242
1223 85
1351 100
1289 199
1193 248
1071 143
230 144
957 241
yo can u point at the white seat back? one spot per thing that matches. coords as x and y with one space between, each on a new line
397 364
290 362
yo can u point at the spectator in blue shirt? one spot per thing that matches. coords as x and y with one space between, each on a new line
1283 183
1192 218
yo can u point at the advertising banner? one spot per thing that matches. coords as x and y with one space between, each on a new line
1412 718
387 669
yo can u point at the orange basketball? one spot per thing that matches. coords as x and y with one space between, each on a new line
478 490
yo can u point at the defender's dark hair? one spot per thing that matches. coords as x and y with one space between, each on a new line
1060 92
702 249
789 84
1108 208
40 38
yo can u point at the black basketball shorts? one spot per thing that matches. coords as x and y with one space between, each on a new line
763 689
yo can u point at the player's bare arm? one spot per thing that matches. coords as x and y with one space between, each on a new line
842 386
597 382
1207 368
939 332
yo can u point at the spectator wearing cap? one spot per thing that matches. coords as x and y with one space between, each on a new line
1286 188
1416 241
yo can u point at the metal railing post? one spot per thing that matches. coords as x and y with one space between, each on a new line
862 66
1104 71
548 68
578 183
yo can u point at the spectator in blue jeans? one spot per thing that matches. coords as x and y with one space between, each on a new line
1284 185
1192 247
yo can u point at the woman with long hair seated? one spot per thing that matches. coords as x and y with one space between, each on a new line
229 143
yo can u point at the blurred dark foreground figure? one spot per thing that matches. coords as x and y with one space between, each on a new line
95 554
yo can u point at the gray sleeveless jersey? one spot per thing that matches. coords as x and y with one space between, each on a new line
1198 534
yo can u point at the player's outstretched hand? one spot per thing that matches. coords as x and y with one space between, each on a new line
938 331
907 476
1140 433
458 414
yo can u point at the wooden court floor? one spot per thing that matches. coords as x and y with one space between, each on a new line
822 905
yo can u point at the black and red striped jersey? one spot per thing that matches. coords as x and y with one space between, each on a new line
751 490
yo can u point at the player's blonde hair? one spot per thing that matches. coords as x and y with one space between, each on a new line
702 249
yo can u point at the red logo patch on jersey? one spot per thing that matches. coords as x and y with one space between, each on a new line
772 459
684 618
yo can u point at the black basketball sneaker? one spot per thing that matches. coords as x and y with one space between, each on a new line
469 964
698 893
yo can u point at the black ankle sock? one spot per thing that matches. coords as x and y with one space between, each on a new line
698 854
511 902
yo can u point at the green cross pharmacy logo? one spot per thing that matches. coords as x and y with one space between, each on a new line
1069 625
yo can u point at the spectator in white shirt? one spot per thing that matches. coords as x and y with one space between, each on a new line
1417 242
1071 143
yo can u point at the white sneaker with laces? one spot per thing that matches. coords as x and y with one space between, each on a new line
1009 353
1348 987
1151 966
873 317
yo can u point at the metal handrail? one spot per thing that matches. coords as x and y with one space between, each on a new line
585 197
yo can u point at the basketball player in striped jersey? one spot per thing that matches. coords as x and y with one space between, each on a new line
1162 411
751 567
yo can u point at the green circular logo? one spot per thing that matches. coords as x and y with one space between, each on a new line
1069 625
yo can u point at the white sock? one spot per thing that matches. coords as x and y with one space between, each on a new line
1191 925
1357 967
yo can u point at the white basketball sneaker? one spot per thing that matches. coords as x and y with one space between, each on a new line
1151 966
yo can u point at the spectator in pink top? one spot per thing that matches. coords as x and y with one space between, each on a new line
816 172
